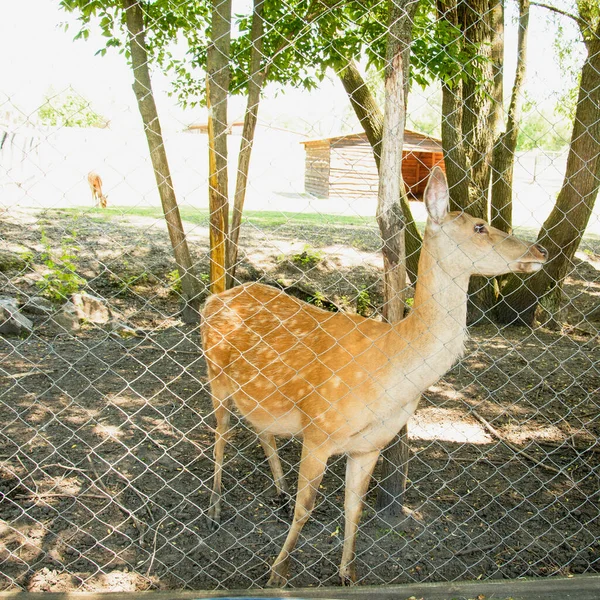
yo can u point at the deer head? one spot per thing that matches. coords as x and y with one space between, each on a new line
470 246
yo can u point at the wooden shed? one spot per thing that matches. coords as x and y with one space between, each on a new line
344 166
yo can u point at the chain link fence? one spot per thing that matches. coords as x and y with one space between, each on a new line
106 423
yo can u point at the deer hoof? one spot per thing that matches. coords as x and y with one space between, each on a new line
348 575
277 579
213 517
284 506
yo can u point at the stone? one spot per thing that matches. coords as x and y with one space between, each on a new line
91 308
12 322
36 305
66 321
9 261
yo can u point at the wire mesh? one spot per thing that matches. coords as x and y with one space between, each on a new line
106 422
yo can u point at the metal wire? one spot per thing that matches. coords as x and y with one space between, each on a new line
106 423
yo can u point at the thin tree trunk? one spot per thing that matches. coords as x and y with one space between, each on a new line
217 83
371 119
142 88
458 170
390 217
504 150
566 224
255 83
389 212
497 57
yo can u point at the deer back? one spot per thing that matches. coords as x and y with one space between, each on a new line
283 358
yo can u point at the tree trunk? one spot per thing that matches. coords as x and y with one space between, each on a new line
506 144
217 83
255 83
470 113
371 119
390 217
566 224
142 87
497 57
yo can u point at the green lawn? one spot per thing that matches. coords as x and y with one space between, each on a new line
267 219
270 219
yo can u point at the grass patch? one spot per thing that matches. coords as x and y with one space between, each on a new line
262 219
271 220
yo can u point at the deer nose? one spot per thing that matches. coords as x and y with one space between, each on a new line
541 250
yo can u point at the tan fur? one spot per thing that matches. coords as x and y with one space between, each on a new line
344 383
95 183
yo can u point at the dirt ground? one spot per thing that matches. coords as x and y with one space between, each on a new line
106 438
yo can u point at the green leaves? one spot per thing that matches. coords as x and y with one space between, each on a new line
68 109
302 39
441 52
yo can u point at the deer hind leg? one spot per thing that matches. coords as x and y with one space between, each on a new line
359 469
269 445
312 467
221 402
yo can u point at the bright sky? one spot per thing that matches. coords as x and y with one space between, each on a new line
41 55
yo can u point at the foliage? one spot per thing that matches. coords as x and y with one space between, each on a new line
174 281
61 280
128 283
28 258
441 52
318 299
363 302
309 257
302 40
541 130
68 109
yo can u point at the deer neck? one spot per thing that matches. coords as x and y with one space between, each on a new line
436 326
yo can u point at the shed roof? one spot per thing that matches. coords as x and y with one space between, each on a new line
413 141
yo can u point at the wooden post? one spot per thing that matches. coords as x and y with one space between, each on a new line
217 90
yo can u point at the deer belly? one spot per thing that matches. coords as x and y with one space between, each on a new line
377 434
278 416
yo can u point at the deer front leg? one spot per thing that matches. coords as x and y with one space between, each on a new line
222 415
359 469
312 467
269 445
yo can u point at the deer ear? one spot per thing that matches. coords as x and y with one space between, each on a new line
437 196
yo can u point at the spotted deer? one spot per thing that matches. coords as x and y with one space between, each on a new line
95 182
344 383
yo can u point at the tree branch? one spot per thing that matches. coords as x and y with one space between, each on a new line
581 22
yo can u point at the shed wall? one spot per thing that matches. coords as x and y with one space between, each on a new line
317 170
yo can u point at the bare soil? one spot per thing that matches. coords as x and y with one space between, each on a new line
106 439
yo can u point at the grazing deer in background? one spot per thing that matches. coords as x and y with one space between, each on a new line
345 383
95 182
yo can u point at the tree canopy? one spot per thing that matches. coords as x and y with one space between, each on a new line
302 39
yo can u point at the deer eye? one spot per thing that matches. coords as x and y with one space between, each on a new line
480 228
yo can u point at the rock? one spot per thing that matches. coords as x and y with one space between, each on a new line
9 261
66 321
36 305
11 320
70 308
9 300
91 308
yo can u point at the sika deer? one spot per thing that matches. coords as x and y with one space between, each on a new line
95 182
344 383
